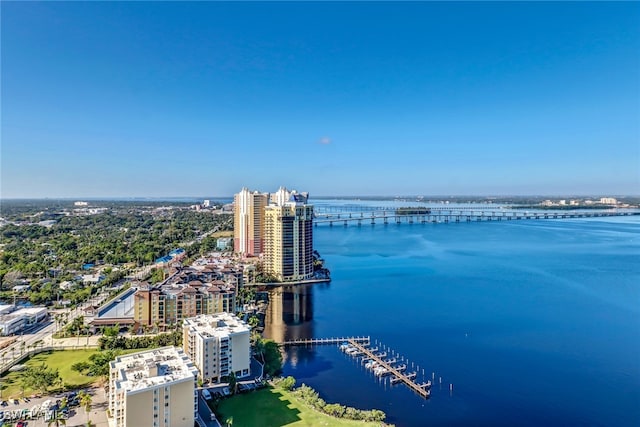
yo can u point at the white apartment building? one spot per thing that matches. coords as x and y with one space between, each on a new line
13 321
154 388
608 201
218 344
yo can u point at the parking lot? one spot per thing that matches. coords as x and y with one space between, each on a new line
76 415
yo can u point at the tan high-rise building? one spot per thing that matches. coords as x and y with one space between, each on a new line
154 388
248 222
288 236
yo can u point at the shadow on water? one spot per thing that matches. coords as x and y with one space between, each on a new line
290 313
290 317
306 362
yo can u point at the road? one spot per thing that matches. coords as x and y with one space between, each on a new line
43 332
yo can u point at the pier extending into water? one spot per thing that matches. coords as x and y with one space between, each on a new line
423 390
322 341
360 347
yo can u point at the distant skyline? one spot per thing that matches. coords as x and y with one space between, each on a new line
159 99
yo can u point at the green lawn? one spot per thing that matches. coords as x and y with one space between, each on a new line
61 360
273 408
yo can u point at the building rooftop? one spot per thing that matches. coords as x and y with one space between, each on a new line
138 371
216 325
29 310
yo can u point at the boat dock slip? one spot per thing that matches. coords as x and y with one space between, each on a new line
323 341
386 368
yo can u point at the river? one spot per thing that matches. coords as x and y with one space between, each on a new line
533 322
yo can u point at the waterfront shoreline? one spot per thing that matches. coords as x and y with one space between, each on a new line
297 282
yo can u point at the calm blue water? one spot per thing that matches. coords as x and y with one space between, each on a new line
533 322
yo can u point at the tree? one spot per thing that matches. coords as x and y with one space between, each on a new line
85 401
24 382
288 383
80 366
39 377
157 275
233 383
56 418
269 352
254 321
99 365
111 331
11 278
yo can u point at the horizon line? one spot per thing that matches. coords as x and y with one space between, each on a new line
377 196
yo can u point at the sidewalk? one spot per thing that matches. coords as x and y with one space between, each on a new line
90 341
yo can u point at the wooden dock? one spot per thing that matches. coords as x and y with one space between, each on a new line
422 390
324 341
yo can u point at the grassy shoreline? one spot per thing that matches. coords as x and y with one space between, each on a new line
274 407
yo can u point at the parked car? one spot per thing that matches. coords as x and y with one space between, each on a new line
15 401
4 403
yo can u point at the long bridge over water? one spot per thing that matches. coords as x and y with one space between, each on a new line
409 215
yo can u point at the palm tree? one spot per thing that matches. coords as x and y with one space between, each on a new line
56 419
24 383
85 402
58 319
233 383
87 331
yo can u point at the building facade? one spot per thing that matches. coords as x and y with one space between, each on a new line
208 289
13 321
218 345
288 236
248 222
169 305
155 388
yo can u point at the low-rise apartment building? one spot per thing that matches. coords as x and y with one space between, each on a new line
189 293
154 388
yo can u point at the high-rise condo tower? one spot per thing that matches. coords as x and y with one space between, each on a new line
248 224
288 236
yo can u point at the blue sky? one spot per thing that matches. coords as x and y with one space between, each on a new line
201 98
